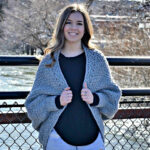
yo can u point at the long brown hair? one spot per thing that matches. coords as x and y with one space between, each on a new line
58 39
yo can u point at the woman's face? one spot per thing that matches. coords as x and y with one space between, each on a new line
74 27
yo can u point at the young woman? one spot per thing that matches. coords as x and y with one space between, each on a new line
73 91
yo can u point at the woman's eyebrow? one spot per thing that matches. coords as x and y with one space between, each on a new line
77 20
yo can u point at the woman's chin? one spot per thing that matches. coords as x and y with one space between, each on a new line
71 40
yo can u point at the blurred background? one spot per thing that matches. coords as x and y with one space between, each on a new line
121 28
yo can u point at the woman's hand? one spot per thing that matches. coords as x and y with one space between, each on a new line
66 96
87 95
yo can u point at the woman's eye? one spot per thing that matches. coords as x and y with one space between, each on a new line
68 22
79 24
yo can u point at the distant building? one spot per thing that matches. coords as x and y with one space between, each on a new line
123 27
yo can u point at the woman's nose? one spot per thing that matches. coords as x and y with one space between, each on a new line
73 26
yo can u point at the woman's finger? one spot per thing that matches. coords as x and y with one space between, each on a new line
69 92
67 88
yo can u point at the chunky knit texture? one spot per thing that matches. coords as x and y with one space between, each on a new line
50 82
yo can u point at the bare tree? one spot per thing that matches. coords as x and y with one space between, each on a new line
31 21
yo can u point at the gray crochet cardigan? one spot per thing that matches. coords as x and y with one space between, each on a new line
50 82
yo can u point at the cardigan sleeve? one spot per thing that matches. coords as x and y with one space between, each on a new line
96 100
38 103
109 94
108 104
57 101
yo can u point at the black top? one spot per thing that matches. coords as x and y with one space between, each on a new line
76 125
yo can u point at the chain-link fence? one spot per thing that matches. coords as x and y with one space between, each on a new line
129 133
16 132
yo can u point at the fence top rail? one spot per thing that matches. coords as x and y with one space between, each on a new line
23 94
112 60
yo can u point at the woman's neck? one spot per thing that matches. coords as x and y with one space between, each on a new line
72 48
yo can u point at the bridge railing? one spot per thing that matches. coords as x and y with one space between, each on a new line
119 131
